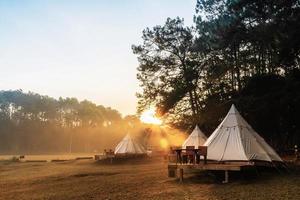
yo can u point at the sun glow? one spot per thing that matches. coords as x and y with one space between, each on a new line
164 143
148 116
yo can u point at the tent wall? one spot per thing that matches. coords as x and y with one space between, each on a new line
235 140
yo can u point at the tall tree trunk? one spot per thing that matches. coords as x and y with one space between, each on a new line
237 66
192 104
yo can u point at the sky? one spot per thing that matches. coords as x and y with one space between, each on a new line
79 48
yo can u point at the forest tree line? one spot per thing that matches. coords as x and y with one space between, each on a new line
33 123
241 52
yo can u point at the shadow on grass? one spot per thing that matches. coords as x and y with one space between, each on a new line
267 184
264 184
253 176
95 174
128 161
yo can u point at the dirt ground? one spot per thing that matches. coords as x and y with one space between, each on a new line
87 179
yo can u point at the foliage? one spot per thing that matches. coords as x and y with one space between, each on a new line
32 123
169 69
246 52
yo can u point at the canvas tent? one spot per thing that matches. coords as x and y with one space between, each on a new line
129 146
235 140
196 138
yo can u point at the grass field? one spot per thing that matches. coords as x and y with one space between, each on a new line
87 179
48 157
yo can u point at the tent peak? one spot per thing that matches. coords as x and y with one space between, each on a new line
196 138
233 110
129 145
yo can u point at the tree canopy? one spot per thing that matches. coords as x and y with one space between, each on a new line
33 123
243 52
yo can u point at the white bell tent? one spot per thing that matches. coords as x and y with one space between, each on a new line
129 146
196 138
235 140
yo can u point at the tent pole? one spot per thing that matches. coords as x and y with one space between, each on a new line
181 175
226 177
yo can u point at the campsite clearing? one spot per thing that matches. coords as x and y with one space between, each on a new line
87 179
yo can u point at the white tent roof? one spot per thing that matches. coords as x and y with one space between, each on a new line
129 146
196 138
235 140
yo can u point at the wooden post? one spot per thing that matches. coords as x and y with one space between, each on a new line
194 156
226 176
181 175
171 173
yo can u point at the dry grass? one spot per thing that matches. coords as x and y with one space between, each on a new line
47 157
148 180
